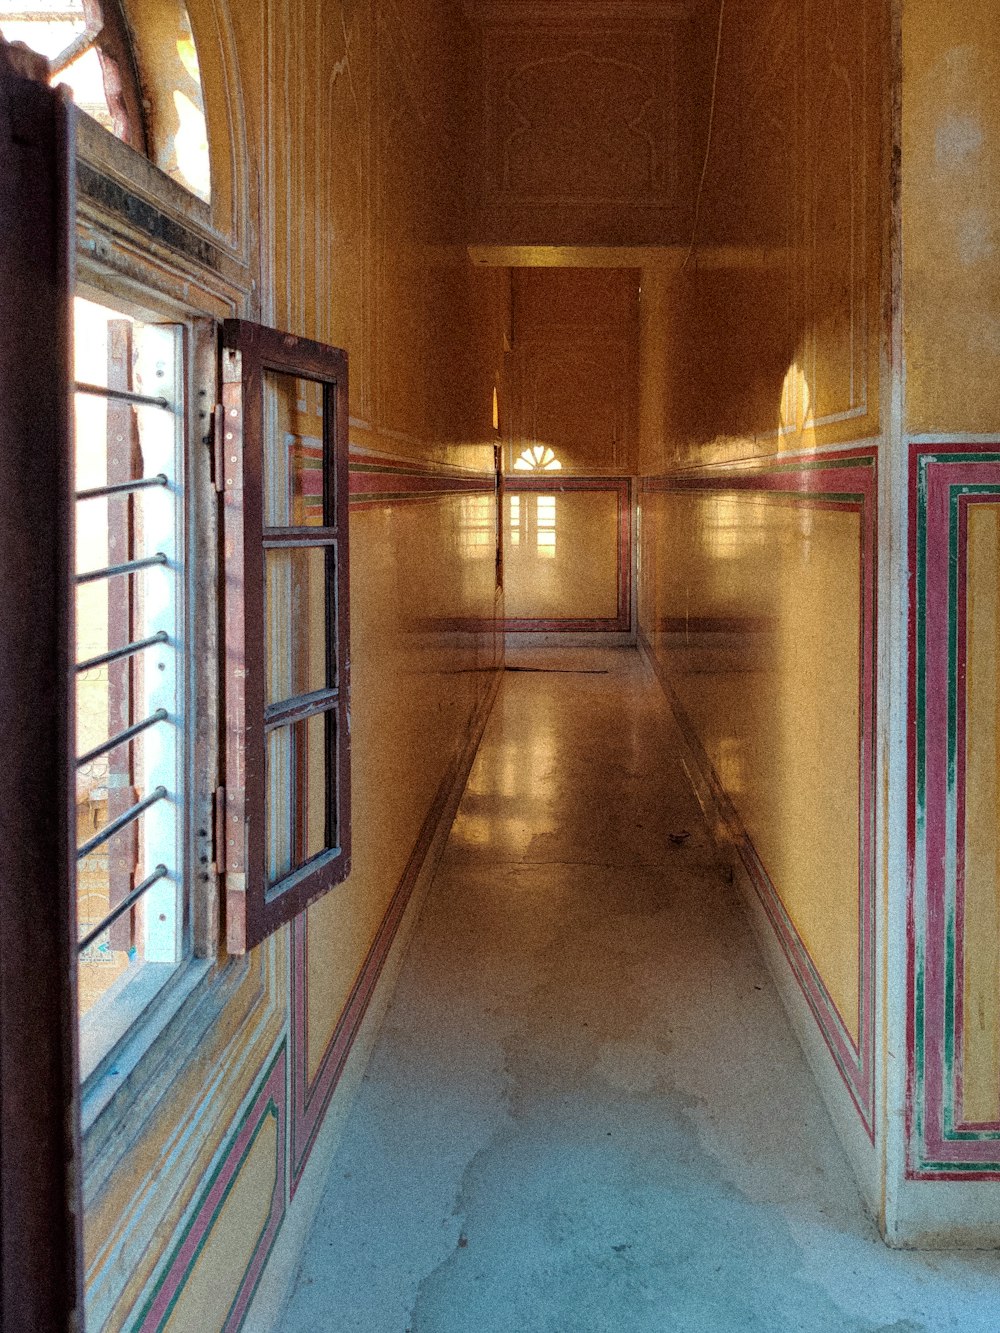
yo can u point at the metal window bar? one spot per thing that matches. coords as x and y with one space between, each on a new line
129 567
78 47
126 650
128 902
113 742
123 487
301 707
123 396
123 821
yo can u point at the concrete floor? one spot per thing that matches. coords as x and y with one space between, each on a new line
586 1112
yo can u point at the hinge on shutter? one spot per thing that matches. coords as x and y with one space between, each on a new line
218 461
219 831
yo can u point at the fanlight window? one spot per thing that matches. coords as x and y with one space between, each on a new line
154 104
539 458
86 45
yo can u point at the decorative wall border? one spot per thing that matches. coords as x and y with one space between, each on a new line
379 479
267 1101
310 1099
621 622
846 481
946 480
587 32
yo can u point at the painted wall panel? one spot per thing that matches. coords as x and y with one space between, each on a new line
760 635
206 1300
584 126
415 686
249 1202
950 142
757 602
760 423
215 1260
561 555
980 946
953 1099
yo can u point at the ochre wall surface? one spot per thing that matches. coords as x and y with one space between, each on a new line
339 172
584 121
760 428
561 555
571 378
951 222
950 253
569 406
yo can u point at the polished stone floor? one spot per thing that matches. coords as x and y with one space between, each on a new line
586 1112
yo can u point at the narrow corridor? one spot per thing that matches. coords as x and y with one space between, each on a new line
587 1112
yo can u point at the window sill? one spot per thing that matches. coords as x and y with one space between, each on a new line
125 1092
136 1017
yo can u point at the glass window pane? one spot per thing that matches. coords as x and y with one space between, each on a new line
297 621
293 452
298 772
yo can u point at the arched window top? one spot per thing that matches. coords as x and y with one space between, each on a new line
537 458
137 74
86 43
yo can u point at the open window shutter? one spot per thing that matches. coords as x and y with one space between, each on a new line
283 446
40 1263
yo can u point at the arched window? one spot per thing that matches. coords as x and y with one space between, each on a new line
136 74
537 458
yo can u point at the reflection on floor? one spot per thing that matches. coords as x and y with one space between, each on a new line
586 1112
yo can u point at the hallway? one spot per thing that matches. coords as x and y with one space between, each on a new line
586 1111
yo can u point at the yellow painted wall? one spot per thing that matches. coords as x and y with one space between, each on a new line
561 555
951 222
752 606
766 345
571 379
337 172
950 181
584 122
570 406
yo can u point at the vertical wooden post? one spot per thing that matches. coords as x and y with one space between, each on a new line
123 463
40 1266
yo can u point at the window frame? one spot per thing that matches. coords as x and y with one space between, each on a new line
140 1015
148 246
254 908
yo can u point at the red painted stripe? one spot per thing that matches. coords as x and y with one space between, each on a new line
929 1157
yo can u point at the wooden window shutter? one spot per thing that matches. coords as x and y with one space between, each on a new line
40 1209
283 455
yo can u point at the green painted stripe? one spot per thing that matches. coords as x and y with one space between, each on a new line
269 1110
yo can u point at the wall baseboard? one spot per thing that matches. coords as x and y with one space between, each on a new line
519 640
